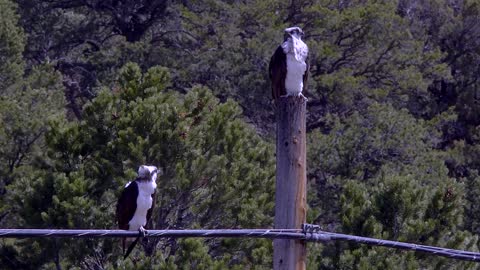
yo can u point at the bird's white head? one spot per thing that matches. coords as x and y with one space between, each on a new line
148 173
294 45
295 32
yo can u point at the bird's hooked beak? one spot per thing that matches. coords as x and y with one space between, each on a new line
158 171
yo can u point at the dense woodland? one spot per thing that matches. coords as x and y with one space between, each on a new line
90 89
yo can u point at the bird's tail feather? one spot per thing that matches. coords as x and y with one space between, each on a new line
130 248
123 244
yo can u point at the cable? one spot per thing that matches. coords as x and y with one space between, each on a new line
322 236
235 233
307 233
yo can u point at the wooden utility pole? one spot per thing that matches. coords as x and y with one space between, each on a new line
291 182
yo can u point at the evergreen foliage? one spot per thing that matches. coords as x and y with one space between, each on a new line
12 41
89 90
218 173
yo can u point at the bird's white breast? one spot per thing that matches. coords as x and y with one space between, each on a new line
296 51
144 203
294 78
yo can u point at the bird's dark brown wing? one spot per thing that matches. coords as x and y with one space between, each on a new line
305 76
149 212
278 71
149 215
126 205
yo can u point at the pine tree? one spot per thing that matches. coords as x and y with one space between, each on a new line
12 41
392 186
218 173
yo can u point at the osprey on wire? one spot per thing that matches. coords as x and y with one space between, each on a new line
135 205
288 67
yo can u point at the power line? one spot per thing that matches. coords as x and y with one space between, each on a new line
322 236
220 233
308 234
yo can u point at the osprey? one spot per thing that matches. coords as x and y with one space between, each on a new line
288 67
135 205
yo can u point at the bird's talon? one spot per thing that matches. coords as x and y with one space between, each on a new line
304 97
142 231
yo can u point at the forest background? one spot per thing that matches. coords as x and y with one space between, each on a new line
90 89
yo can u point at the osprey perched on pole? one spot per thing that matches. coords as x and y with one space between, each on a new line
135 205
288 67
